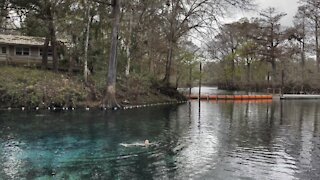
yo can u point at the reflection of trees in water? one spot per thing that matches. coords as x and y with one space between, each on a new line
249 124
296 132
315 153
316 120
199 114
197 138
307 155
272 114
281 112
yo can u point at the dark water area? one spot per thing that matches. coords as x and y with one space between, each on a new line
219 140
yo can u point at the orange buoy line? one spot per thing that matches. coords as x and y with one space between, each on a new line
231 97
254 101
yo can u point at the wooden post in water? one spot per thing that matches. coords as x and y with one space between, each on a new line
282 81
200 80
190 79
268 81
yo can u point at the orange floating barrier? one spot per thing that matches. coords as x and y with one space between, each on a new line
244 97
265 101
222 97
229 97
237 97
213 97
258 96
252 97
193 97
232 97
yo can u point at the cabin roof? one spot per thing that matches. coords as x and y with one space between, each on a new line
26 40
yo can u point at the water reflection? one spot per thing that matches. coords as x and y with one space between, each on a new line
197 140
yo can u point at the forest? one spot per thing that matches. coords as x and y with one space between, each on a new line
170 44
261 53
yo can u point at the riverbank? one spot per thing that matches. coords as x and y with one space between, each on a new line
30 88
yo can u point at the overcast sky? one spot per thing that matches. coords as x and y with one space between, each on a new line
287 6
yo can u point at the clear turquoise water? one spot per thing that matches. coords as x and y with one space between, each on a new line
224 140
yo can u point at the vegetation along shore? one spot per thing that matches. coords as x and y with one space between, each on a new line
32 88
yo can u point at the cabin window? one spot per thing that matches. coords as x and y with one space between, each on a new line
22 51
19 51
49 52
4 50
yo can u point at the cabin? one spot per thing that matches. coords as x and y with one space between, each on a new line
26 50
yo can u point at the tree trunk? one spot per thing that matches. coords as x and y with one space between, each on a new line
171 39
274 73
233 66
86 70
166 79
317 44
273 58
303 45
248 72
177 80
45 48
128 50
70 68
151 55
54 52
200 80
190 79
302 52
282 80
72 55
151 64
110 96
303 74
53 37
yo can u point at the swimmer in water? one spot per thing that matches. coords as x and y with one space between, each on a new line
146 144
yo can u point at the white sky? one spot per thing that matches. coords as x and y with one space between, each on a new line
287 6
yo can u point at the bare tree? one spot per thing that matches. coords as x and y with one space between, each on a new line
271 38
184 16
312 10
110 96
86 45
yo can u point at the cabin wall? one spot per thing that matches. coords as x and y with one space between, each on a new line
35 53
11 51
11 56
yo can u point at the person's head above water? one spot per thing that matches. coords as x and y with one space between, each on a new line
146 142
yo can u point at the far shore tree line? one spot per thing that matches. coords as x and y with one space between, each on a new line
260 53
114 39
152 40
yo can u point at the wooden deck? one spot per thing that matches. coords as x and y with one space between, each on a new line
300 96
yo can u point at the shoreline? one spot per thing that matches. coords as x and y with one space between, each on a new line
33 89
59 109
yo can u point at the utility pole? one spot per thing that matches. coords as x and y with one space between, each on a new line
282 81
200 80
190 79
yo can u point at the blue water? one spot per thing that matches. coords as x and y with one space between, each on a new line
210 140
